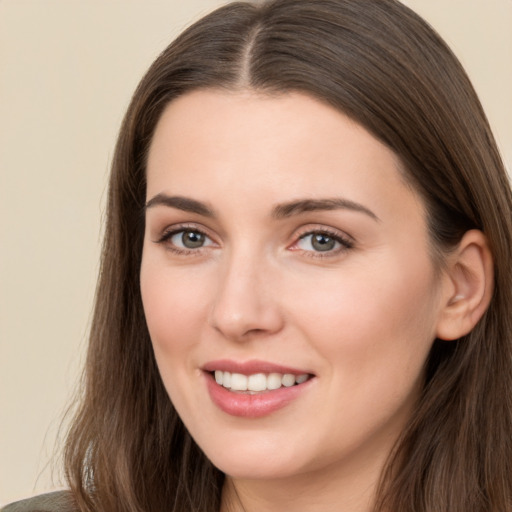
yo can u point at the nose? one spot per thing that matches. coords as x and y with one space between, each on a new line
245 304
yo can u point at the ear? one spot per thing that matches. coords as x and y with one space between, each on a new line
470 283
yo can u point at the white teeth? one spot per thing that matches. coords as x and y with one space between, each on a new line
238 382
258 381
288 380
274 381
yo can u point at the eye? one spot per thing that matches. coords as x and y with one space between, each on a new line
323 242
188 239
184 240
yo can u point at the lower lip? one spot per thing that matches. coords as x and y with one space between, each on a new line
253 406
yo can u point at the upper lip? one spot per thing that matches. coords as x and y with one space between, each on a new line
250 367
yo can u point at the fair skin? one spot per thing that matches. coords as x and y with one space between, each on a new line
241 274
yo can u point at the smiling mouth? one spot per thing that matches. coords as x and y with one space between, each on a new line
258 382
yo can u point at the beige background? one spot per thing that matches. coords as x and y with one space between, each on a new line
67 70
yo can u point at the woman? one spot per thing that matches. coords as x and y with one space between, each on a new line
305 288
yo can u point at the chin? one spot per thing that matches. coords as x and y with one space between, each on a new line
256 462
247 470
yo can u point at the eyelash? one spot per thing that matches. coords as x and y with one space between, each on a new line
345 242
168 234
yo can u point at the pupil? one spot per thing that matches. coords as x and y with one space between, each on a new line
322 242
192 239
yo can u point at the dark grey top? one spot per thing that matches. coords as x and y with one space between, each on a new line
59 501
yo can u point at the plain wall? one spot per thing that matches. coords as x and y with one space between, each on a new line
67 71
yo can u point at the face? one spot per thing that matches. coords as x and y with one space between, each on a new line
287 283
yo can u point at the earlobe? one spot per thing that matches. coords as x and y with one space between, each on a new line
470 275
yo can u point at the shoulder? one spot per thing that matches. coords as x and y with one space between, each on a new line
59 501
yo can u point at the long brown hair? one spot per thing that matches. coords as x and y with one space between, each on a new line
379 63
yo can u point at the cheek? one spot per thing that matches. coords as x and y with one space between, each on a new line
375 328
374 336
175 316
174 308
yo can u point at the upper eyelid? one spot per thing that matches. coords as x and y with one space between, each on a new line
167 233
345 243
186 226
334 232
335 236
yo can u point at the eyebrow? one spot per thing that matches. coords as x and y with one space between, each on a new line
311 205
280 211
181 203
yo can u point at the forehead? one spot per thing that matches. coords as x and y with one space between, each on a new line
262 148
